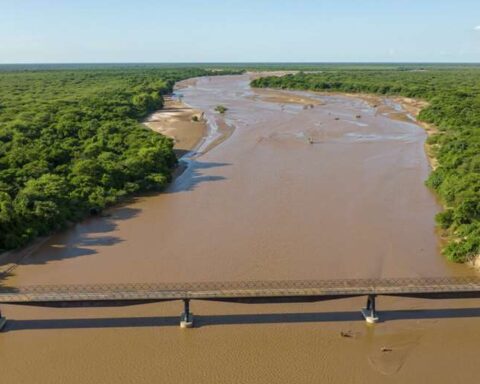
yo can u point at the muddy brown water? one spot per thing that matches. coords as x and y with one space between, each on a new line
293 193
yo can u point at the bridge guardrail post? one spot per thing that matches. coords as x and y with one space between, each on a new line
186 319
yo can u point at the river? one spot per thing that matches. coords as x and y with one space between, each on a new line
307 186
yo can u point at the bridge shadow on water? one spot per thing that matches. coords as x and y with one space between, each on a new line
237 319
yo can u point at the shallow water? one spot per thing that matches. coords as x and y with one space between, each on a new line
292 194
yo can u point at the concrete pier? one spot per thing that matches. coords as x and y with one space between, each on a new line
248 292
3 321
368 316
370 312
186 319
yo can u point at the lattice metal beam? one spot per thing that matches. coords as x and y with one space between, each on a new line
240 289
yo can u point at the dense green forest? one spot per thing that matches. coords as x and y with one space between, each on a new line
454 107
71 143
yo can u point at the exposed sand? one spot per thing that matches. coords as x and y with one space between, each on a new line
410 108
265 204
215 127
413 107
175 120
275 96
409 112
257 74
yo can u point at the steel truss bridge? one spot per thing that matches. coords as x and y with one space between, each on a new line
250 292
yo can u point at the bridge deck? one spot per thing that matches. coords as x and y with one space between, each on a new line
237 291
245 292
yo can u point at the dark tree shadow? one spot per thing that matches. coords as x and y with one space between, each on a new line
4 287
79 240
82 238
193 175
182 152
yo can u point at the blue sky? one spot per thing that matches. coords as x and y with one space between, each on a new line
46 31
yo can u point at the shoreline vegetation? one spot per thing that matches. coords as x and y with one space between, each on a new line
69 137
446 103
72 143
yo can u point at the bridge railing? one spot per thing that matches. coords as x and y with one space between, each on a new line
254 291
235 288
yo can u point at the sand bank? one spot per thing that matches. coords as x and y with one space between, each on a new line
410 108
185 125
175 120
257 74
352 205
409 111
275 96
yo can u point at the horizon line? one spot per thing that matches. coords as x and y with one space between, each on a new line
236 62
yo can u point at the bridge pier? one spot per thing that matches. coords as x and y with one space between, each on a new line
370 312
186 319
3 320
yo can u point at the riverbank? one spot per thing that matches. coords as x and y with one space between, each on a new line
185 125
388 107
409 113
175 120
276 96
383 104
453 108
264 205
216 129
189 129
410 108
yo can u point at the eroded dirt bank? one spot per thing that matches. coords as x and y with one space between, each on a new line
300 190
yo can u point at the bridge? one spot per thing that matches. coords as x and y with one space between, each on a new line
250 292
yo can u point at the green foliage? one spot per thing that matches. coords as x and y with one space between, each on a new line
221 109
454 107
71 143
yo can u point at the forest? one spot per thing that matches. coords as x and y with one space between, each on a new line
71 142
453 96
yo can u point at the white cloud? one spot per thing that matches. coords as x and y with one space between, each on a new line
477 28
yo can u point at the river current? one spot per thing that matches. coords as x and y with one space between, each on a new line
319 189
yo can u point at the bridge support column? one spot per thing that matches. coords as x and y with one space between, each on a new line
186 320
370 312
3 320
